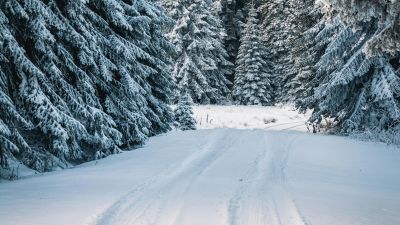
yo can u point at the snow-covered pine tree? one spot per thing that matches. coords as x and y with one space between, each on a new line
126 46
385 13
283 23
278 28
253 75
355 82
304 53
173 8
184 113
90 77
202 65
310 76
43 94
361 92
12 144
161 83
232 14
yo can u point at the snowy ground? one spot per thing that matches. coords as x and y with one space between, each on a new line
219 177
250 117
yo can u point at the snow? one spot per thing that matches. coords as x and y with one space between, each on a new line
250 117
219 176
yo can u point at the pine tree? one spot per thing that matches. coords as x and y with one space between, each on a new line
361 92
384 13
283 23
162 86
304 53
277 19
173 8
184 114
310 74
232 14
201 66
355 80
82 78
253 76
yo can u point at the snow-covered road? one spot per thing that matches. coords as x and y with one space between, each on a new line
218 177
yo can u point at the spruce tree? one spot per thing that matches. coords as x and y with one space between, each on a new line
304 52
385 14
184 114
201 66
173 8
283 23
310 76
277 21
253 76
361 92
81 79
233 18
356 82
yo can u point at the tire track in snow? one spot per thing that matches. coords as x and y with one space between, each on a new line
180 185
254 173
277 214
286 124
266 189
107 217
284 206
138 202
